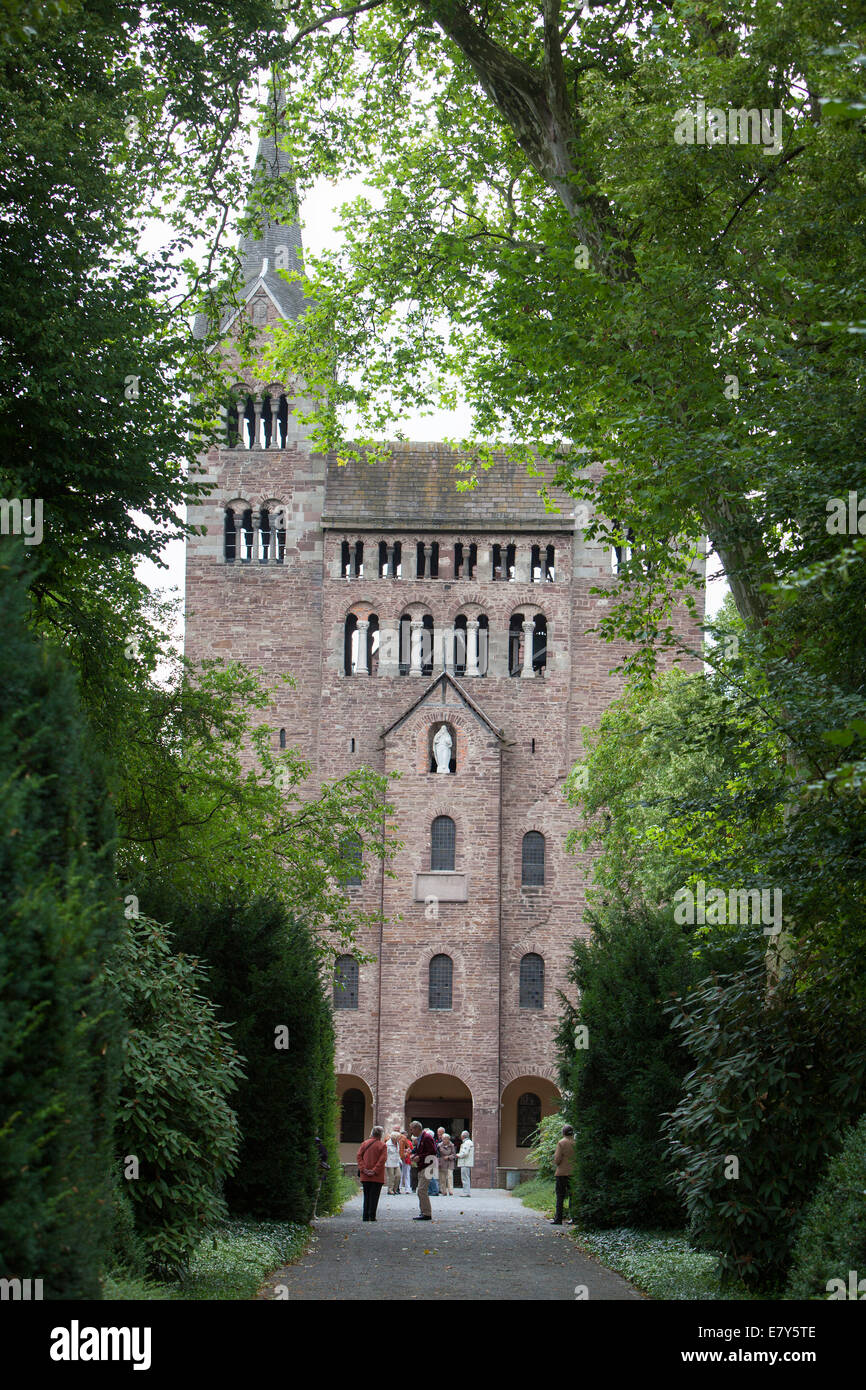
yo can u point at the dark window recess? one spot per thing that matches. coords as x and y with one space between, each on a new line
282 738
434 560
441 980
405 644
427 646
346 983
473 561
458 561
528 1118
539 643
515 643
496 562
229 536
351 745
532 982
532 748
351 851
550 565
460 645
535 565
511 562
533 859
247 536
443 839
352 1108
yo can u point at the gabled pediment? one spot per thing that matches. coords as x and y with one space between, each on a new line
443 694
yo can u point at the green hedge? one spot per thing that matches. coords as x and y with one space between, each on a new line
832 1237
630 1071
177 1134
265 976
59 1019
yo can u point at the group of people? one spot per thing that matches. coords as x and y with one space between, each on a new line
418 1161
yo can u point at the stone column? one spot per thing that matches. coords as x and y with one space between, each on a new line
389 552
483 573
389 647
254 554
416 647
267 541
353 574
528 632
239 537
256 442
361 667
522 565
472 667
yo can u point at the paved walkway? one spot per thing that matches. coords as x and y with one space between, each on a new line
487 1246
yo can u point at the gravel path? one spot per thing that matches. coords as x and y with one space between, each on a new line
488 1246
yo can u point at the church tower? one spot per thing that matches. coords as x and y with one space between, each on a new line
443 635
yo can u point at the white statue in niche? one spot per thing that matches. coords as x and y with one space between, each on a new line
442 745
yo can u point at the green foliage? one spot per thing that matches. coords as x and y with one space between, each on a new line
59 1017
538 1193
230 1263
832 1237
629 1070
544 1143
663 1264
776 1072
264 974
179 1067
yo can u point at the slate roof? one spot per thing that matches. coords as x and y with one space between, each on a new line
417 487
447 681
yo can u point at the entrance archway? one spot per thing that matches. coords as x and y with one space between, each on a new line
525 1100
440 1099
355 1115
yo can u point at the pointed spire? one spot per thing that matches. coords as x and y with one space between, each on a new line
279 247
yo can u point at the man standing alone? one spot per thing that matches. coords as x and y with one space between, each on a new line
424 1157
563 1163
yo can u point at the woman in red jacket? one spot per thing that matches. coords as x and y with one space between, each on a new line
371 1168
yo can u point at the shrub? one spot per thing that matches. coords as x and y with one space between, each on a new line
174 1117
631 1070
775 1073
264 974
544 1142
832 1237
59 1019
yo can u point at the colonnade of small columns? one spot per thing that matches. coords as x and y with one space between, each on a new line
361 557
432 649
253 541
256 420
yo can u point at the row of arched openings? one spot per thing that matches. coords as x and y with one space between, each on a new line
440 982
443 853
362 645
246 540
391 563
353 1109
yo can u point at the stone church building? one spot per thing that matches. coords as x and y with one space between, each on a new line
442 635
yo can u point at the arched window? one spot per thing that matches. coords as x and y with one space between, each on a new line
405 644
352 1108
528 1118
532 982
346 983
361 646
550 565
247 535
440 982
282 738
443 839
351 851
229 536
483 643
535 565
533 859
427 646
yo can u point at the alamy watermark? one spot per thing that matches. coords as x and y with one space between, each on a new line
736 126
16 521
718 907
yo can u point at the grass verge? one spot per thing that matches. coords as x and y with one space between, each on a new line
660 1263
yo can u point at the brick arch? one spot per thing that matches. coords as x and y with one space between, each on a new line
471 608
509 1075
238 502
526 947
530 610
416 609
422 740
361 608
435 1066
343 1068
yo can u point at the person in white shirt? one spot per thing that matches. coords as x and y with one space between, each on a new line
392 1164
465 1160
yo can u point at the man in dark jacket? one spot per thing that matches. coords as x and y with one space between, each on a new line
424 1156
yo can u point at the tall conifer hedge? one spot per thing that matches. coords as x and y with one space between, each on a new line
59 1021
